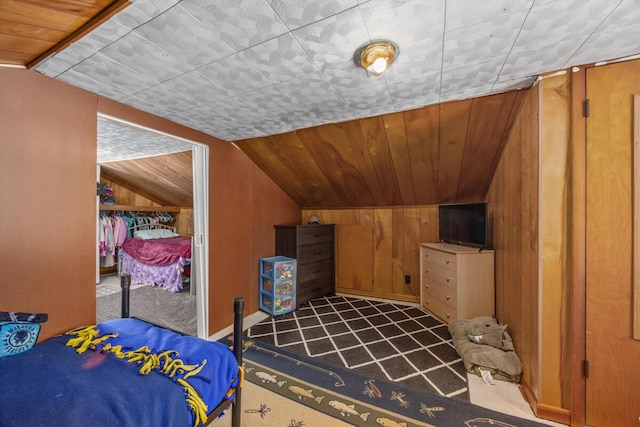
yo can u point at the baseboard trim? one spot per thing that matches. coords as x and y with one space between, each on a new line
542 410
247 322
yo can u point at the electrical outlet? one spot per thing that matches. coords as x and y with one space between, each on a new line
407 280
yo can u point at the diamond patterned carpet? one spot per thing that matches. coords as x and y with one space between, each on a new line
393 341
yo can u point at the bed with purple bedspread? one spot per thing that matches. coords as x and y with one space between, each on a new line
156 262
123 372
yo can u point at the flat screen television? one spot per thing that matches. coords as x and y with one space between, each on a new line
464 224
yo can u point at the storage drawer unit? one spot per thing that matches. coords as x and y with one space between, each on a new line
277 285
313 248
456 282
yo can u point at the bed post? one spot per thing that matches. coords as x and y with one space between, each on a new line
238 310
125 284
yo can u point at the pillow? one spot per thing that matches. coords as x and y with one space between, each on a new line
16 337
154 234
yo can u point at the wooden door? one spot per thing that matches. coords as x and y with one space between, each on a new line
613 384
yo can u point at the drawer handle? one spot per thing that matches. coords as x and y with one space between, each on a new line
448 279
427 271
448 316
448 297
448 261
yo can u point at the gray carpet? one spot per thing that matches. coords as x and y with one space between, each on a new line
175 311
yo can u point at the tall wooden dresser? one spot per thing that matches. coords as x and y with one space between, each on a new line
456 282
313 247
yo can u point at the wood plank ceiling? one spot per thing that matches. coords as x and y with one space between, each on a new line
166 179
438 154
31 30
445 153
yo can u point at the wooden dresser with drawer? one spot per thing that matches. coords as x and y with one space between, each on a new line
456 282
313 248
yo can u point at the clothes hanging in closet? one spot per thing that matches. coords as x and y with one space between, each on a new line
115 227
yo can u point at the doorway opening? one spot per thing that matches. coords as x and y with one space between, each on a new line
159 176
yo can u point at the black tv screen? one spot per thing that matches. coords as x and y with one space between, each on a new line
464 224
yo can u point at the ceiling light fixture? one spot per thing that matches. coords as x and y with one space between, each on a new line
376 57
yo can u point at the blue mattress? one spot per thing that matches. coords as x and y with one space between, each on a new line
52 384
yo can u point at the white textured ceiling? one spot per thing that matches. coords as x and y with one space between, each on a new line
236 69
123 141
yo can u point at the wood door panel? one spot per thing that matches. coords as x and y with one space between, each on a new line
614 374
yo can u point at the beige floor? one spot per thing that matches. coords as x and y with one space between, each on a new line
277 411
503 397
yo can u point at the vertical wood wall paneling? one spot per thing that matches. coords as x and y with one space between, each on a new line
383 245
397 251
514 235
354 268
125 196
614 375
386 241
531 256
411 252
553 232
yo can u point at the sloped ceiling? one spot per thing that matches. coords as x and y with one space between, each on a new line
279 78
165 179
437 154
152 164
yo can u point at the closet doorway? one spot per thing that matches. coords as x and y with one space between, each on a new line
156 175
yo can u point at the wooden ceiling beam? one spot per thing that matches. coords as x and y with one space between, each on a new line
89 26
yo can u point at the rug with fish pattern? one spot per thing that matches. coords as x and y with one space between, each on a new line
359 400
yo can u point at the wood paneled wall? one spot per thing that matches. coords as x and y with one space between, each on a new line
377 247
513 204
125 196
554 224
528 201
